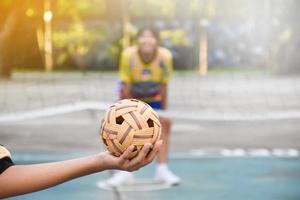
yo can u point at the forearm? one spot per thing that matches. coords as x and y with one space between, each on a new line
127 91
164 96
20 179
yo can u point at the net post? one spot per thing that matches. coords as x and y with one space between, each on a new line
48 15
203 48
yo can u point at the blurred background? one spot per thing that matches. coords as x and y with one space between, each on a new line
234 97
89 35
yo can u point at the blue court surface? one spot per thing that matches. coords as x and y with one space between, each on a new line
207 178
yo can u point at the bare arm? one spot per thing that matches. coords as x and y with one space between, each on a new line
126 94
21 179
164 95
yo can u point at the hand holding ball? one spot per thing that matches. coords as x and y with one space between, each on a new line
129 122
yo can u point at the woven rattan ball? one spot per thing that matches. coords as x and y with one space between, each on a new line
127 122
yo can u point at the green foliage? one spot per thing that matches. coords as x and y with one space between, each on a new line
152 8
75 42
81 8
79 47
82 33
177 37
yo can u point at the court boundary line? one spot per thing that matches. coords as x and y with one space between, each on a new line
102 106
242 152
151 186
52 111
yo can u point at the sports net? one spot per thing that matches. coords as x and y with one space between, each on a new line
217 96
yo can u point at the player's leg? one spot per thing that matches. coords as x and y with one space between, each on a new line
163 173
166 126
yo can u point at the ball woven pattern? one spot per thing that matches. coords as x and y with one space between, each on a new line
127 122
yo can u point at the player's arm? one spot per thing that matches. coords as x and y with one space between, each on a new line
126 94
21 179
168 70
164 95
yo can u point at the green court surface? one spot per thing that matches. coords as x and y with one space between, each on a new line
207 178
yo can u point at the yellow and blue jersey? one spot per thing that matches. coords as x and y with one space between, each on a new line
146 78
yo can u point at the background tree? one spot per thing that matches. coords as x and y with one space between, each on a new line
18 38
9 19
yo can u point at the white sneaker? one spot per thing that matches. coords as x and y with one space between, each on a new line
120 178
167 177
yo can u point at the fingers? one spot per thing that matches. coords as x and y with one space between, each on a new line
144 157
140 160
142 154
154 151
128 153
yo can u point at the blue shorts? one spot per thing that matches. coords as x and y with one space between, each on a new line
155 105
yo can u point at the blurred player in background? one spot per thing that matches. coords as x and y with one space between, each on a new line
144 72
